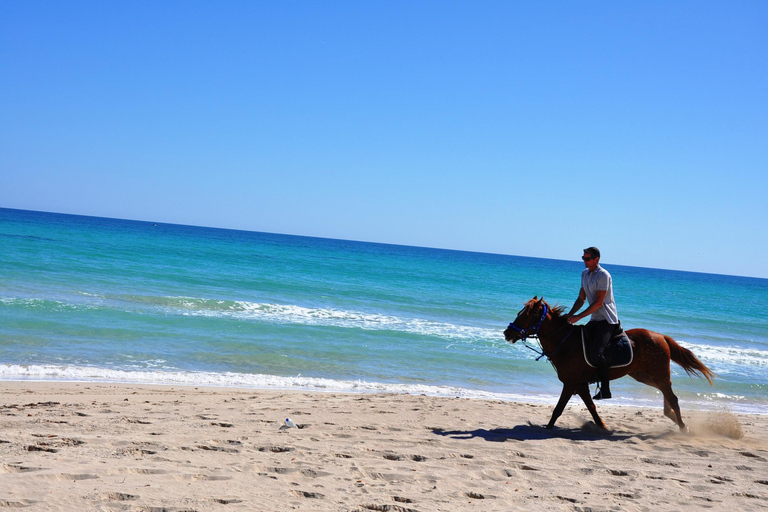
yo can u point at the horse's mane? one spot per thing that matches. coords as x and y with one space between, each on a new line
556 311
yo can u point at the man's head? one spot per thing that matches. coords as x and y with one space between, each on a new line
591 257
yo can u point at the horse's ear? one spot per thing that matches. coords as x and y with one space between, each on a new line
535 297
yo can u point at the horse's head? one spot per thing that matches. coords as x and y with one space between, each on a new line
528 319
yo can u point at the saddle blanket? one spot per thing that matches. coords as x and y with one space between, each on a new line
618 353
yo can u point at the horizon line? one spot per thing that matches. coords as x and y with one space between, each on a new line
370 242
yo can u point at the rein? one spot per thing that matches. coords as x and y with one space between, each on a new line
554 352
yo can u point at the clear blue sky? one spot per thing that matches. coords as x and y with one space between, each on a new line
525 128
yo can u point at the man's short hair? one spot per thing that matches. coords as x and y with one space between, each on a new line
593 251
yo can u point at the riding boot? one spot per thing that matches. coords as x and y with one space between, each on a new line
602 373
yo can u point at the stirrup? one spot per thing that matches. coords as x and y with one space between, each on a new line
602 395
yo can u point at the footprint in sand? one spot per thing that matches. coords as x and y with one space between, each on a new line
282 471
497 474
311 473
35 448
396 457
224 449
752 456
117 496
16 504
16 468
225 501
69 476
388 508
201 478
275 449
134 452
135 420
660 462
139 471
305 494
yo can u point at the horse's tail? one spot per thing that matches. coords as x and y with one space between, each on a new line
688 361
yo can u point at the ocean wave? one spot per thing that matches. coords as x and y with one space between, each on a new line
360 320
329 317
727 356
730 355
264 312
44 304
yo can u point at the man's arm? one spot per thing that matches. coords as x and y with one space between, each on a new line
579 302
599 299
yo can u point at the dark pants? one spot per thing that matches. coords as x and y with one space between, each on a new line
600 332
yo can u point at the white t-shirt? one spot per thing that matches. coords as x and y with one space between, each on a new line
600 280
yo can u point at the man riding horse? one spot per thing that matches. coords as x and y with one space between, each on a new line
597 289
563 345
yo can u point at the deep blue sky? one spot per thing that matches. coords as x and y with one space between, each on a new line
526 128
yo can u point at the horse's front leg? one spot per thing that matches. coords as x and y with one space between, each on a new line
583 391
565 395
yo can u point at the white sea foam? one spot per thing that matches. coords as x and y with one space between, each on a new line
293 314
274 313
243 380
729 355
723 358
12 372
300 315
47 304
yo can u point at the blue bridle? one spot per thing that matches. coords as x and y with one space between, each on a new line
524 332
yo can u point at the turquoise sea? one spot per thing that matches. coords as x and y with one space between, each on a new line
95 299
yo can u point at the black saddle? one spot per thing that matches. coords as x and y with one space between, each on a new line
618 352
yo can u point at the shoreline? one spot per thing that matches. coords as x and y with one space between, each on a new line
273 383
117 446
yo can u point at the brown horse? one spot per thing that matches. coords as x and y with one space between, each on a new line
561 343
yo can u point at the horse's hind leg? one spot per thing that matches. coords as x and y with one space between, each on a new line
672 407
668 412
583 391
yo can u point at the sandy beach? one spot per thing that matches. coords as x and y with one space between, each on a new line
110 447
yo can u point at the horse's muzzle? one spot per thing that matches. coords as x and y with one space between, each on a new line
511 335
